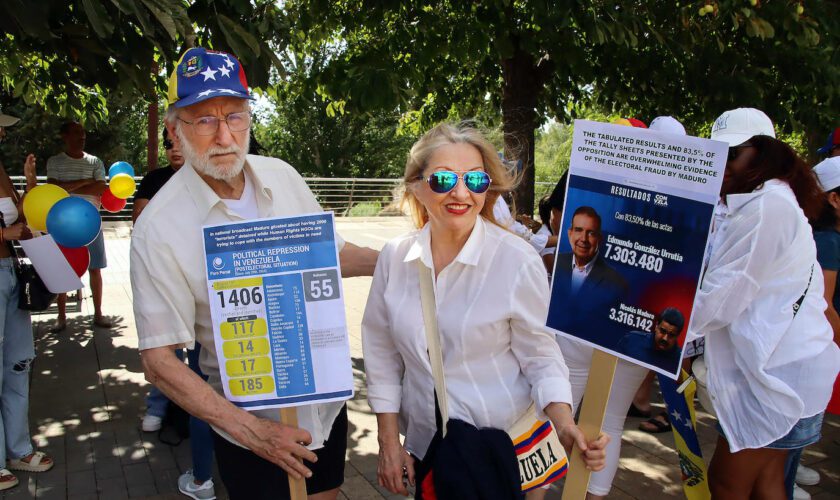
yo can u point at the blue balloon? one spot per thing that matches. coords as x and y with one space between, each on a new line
121 167
73 222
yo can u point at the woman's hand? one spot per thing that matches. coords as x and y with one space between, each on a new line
594 452
18 231
395 467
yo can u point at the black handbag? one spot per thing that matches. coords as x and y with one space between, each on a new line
33 294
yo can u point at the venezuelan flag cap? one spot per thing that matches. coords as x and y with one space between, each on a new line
203 74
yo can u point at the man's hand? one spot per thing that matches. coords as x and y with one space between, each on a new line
280 444
18 231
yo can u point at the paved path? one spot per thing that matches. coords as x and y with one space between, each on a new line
88 389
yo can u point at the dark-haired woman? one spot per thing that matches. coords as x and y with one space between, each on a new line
769 351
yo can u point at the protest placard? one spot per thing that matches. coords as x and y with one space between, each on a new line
278 311
638 209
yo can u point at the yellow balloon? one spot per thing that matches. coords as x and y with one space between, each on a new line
122 186
38 202
622 121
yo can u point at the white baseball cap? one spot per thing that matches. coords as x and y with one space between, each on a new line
667 124
828 173
737 126
8 120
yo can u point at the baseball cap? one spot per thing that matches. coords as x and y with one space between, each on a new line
831 142
737 126
667 124
203 74
828 173
8 120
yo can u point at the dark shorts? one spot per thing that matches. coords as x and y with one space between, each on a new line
805 432
248 476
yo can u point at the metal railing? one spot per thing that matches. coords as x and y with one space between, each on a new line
346 196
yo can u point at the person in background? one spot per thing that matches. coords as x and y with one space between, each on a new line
18 349
769 350
492 300
83 175
831 149
155 179
827 239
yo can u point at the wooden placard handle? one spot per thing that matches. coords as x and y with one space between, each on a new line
297 487
598 385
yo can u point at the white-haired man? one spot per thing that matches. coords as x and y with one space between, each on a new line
209 120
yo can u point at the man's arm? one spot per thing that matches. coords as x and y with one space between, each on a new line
96 188
272 441
71 186
357 261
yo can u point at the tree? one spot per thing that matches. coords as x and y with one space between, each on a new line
534 59
68 57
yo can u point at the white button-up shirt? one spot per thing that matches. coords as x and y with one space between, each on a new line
492 301
767 367
169 275
579 274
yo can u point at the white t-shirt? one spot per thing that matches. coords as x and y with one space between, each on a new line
246 205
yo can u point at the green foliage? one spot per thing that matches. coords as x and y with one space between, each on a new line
534 60
365 209
319 138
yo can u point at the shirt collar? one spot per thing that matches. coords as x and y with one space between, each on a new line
469 254
735 201
587 267
205 198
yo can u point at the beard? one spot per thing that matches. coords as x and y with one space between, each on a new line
203 163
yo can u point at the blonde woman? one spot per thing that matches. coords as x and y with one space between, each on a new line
491 296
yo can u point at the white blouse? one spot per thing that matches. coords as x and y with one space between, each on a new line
492 302
768 368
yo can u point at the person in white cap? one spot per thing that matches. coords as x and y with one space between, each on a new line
769 350
667 124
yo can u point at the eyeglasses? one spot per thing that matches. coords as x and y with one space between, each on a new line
208 125
735 151
444 181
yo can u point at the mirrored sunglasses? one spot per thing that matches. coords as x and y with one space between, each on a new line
444 181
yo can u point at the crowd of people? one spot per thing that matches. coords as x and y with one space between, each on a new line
765 318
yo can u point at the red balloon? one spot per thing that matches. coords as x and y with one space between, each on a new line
78 258
111 203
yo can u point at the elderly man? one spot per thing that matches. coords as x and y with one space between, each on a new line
209 120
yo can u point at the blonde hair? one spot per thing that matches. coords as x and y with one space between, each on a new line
503 179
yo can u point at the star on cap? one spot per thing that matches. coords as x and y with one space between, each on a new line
230 64
209 74
225 71
206 92
228 91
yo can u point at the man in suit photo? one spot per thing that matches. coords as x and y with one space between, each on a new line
584 285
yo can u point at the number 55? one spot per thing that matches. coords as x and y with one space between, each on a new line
322 287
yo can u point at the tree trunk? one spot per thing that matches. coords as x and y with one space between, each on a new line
152 143
521 87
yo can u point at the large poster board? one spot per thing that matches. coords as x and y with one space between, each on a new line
637 214
277 307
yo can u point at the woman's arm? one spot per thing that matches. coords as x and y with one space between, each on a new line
395 464
830 277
